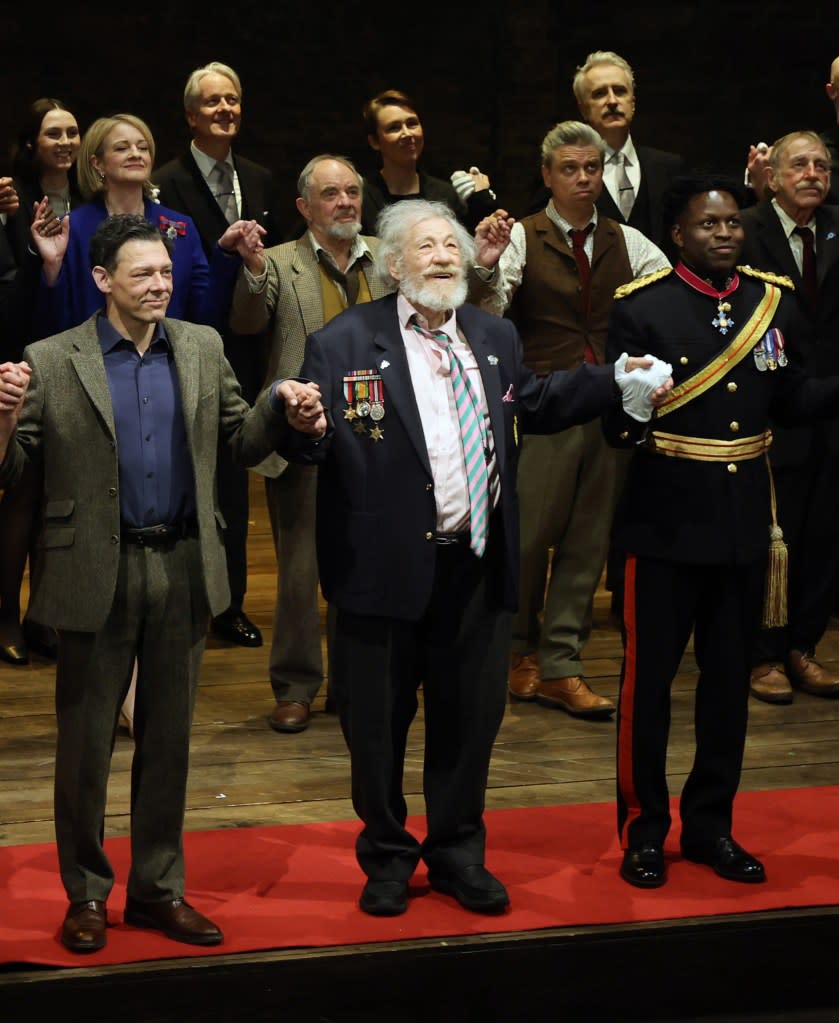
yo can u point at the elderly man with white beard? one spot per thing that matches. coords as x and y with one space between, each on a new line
426 400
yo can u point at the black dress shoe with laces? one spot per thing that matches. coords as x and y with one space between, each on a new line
473 887
643 866
727 858
384 898
236 627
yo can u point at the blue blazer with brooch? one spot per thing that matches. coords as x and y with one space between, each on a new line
201 293
376 508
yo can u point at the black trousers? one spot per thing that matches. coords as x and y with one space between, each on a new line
459 652
663 602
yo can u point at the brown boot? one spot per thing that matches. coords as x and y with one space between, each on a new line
806 673
769 682
524 676
571 694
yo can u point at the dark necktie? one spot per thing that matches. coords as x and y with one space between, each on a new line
348 280
578 242
808 265
223 191
626 193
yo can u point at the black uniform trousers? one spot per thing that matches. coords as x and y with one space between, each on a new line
459 652
808 513
663 602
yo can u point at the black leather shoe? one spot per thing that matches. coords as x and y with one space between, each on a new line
473 887
728 859
13 649
384 898
84 926
175 918
41 639
236 627
644 866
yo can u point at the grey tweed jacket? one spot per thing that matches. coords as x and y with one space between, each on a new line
67 426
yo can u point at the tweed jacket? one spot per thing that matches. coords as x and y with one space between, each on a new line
67 426
291 305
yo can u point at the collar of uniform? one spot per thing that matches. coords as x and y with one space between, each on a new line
359 249
564 226
110 337
788 224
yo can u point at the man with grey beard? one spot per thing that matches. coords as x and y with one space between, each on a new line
795 234
295 289
426 400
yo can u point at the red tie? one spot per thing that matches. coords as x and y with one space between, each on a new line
578 241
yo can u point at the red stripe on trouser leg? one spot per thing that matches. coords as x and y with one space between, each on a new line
626 707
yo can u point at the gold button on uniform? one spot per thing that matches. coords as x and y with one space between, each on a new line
624 435
734 427
684 360
732 468
731 387
429 536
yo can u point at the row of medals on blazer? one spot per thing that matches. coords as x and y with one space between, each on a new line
364 393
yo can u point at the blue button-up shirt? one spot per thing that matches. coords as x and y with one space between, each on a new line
156 480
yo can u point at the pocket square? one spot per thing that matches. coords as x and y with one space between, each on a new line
508 396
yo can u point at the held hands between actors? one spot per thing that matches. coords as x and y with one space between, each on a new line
303 407
14 379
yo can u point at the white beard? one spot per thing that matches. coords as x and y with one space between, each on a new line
344 232
437 296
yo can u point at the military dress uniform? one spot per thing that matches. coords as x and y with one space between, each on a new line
695 525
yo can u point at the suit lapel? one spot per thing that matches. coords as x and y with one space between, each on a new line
307 285
392 364
90 369
827 242
484 351
201 203
187 365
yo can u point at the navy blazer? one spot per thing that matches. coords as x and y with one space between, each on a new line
376 509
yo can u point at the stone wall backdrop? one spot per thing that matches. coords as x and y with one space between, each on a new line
490 78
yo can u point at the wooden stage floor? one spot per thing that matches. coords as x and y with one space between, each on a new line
243 773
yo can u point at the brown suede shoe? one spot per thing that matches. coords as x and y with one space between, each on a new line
524 676
769 682
574 696
289 716
806 673
84 926
175 918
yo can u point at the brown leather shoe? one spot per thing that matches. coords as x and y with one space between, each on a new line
524 676
769 682
84 926
289 716
175 918
806 673
571 694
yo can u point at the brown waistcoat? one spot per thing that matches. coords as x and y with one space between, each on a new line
547 308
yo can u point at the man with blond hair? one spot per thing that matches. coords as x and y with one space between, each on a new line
214 186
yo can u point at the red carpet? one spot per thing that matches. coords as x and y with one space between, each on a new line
296 886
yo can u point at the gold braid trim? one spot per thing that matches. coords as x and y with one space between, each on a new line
768 278
642 282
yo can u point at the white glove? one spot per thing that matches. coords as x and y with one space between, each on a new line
464 184
637 386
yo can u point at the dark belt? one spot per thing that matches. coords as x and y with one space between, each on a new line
446 539
159 535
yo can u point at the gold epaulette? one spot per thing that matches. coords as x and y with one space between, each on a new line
642 282
765 275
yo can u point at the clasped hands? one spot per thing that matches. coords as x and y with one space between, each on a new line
644 382
303 407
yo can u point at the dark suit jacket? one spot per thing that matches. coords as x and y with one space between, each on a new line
658 168
182 186
67 425
814 333
376 504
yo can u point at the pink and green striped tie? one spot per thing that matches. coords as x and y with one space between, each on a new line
472 435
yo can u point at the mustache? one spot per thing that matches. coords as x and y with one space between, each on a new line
813 183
